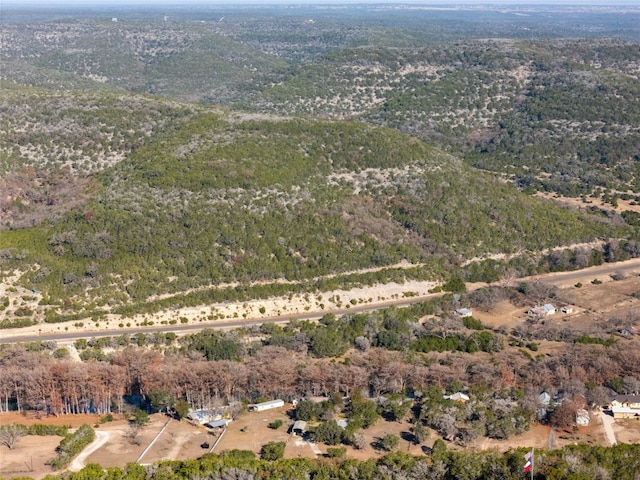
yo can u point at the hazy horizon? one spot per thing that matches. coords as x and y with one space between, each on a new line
200 3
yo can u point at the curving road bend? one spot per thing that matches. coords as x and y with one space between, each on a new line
102 437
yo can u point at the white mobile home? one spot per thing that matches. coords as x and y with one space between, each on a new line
261 407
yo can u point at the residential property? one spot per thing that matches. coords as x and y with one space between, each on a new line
542 311
544 399
464 312
203 416
625 406
457 397
261 407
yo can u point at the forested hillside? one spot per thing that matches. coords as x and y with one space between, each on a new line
127 196
514 92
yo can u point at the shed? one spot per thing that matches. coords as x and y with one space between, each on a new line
582 417
544 399
549 309
261 407
464 312
222 423
299 427
342 424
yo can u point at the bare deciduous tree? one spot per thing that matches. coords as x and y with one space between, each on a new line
10 434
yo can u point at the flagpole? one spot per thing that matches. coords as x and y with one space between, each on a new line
532 461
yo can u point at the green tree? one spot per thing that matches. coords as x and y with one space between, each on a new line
420 433
390 441
306 410
327 342
272 451
140 418
362 412
455 285
328 432
161 401
336 452
182 409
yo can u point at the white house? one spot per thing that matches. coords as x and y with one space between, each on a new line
457 397
542 311
261 407
204 416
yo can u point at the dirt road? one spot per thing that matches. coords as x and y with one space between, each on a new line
102 437
607 423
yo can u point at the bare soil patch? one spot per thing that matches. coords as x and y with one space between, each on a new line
627 431
120 449
250 431
31 452
376 433
536 437
592 201
591 303
180 440
592 434
28 457
503 314
32 418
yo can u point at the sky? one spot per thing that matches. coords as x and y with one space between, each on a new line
103 3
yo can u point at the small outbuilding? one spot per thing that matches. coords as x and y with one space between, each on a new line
457 397
342 424
222 423
544 399
582 418
464 312
299 427
261 407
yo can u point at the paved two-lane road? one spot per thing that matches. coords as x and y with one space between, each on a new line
559 279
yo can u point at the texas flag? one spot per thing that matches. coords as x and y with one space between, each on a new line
529 458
